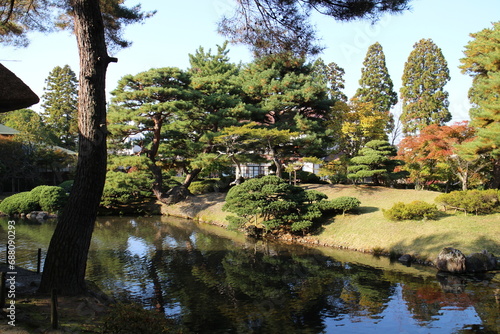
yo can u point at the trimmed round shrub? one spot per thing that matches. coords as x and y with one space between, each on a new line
36 193
46 198
18 204
341 204
52 198
416 210
345 203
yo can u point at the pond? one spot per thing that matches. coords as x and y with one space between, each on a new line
211 280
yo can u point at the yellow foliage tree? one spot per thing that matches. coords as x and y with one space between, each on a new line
361 124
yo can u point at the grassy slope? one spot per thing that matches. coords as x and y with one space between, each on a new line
369 230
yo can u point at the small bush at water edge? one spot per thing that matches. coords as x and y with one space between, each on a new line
18 204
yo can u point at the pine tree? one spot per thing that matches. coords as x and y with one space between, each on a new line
375 161
482 62
423 96
60 103
376 85
292 98
180 113
278 26
143 104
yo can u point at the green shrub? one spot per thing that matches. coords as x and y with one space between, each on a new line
274 204
46 198
478 201
67 185
345 203
18 204
36 193
308 177
52 198
415 210
202 187
303 177
122 189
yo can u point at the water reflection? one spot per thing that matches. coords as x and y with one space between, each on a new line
214 281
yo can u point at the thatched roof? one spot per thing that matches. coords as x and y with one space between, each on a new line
14 94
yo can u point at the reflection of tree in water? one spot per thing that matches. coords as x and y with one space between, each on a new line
469 290
212 284
209 283
247 290
427 297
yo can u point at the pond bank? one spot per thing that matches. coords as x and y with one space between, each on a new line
367 230
77 314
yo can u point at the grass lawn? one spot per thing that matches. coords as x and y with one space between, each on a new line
368 230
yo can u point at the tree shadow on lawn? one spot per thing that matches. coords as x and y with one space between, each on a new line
365 209
329 218
369 189
193 205
433 244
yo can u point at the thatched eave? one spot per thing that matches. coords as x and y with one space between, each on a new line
14 93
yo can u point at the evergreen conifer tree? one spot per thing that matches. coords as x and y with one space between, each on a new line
376 85
482 62
60 103
333 77
375 161
179 113
287 91
423 96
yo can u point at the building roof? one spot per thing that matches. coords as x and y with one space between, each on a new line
6 131
64 150
14 93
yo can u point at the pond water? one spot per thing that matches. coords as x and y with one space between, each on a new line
210 280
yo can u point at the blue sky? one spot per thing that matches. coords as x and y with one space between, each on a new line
180 27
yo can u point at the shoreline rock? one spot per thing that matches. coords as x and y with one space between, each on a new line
453 261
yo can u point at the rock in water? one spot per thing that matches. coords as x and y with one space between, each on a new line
480 262
451 260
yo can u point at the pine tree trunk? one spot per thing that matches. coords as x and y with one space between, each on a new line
66 259
276 161
238 179
190 177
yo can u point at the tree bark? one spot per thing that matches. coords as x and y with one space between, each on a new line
238 179
66 259
190 177
177 193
